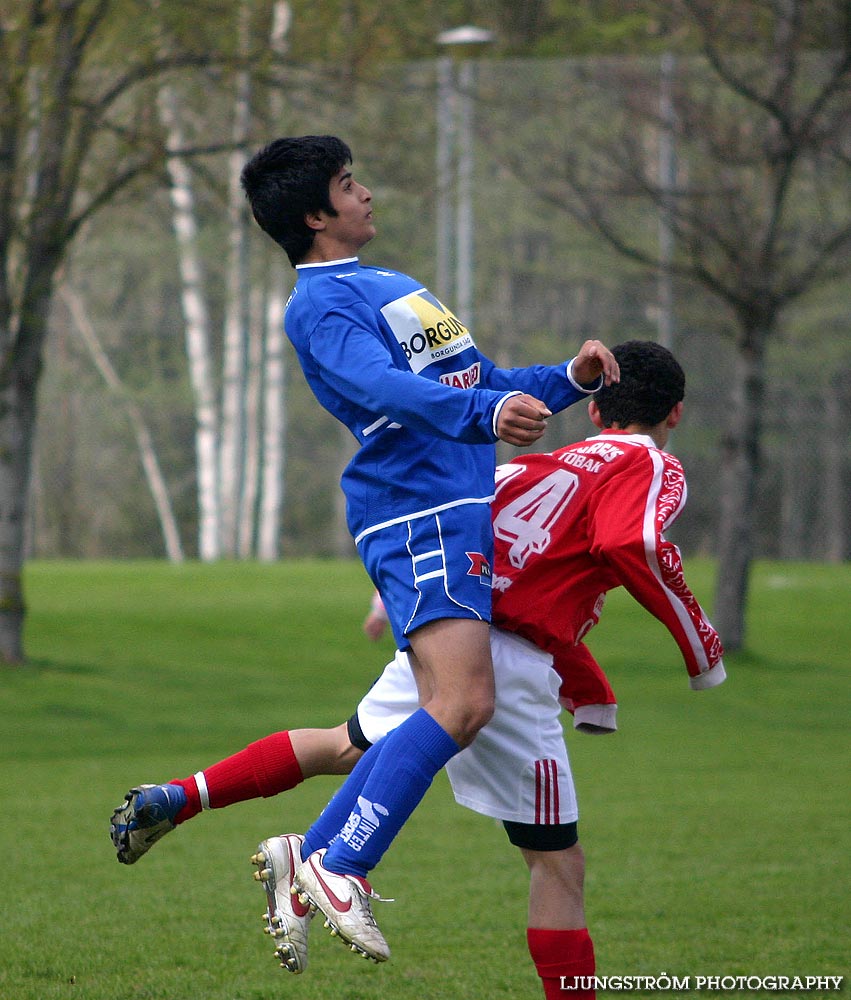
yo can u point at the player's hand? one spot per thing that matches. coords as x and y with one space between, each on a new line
522 420
593 360
374 625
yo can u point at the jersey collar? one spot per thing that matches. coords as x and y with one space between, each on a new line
625 437
330 264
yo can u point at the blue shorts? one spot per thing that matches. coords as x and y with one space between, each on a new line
432 566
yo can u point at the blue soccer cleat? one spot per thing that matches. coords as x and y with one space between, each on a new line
146 816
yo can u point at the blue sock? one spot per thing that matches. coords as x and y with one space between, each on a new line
334 815
406 764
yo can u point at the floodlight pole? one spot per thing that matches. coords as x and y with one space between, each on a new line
464 222
455 145
445 172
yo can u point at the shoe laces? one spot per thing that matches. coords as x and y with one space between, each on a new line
366 890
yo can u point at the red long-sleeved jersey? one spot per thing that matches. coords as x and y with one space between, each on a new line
572 525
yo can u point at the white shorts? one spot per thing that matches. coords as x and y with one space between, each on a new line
516 769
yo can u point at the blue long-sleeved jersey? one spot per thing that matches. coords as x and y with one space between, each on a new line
386 358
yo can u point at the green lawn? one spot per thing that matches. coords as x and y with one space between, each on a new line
716 824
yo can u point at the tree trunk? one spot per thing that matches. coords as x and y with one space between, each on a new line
274 423
232 456
197 324
247 523
795 510
17 427
740 464
834 493
23 333
274 360
39 217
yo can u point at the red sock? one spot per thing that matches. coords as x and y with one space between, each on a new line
263 768
559 956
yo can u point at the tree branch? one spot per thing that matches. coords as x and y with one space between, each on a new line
724 72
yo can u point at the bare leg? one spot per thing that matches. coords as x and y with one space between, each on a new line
324 751
558 939
556 888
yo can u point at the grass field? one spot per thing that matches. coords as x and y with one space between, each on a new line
716 824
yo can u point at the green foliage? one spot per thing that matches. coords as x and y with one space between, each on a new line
601 29
715 823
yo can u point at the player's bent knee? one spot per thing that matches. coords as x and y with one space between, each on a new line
470 719
462 715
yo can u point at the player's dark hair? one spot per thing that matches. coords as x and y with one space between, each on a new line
288 179
652 383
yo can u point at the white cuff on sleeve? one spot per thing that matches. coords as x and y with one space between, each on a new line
576 385
710 678
596 718
497 409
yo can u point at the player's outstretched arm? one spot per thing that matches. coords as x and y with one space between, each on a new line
650 567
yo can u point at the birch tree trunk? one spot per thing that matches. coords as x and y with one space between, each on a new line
274 423
247 524
234 427
275 364
147 453
197 329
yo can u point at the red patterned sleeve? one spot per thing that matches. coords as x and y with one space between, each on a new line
585 690
631 513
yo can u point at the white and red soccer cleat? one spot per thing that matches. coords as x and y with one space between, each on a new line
287 919
345 901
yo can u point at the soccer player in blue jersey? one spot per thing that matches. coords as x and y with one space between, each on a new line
402 372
